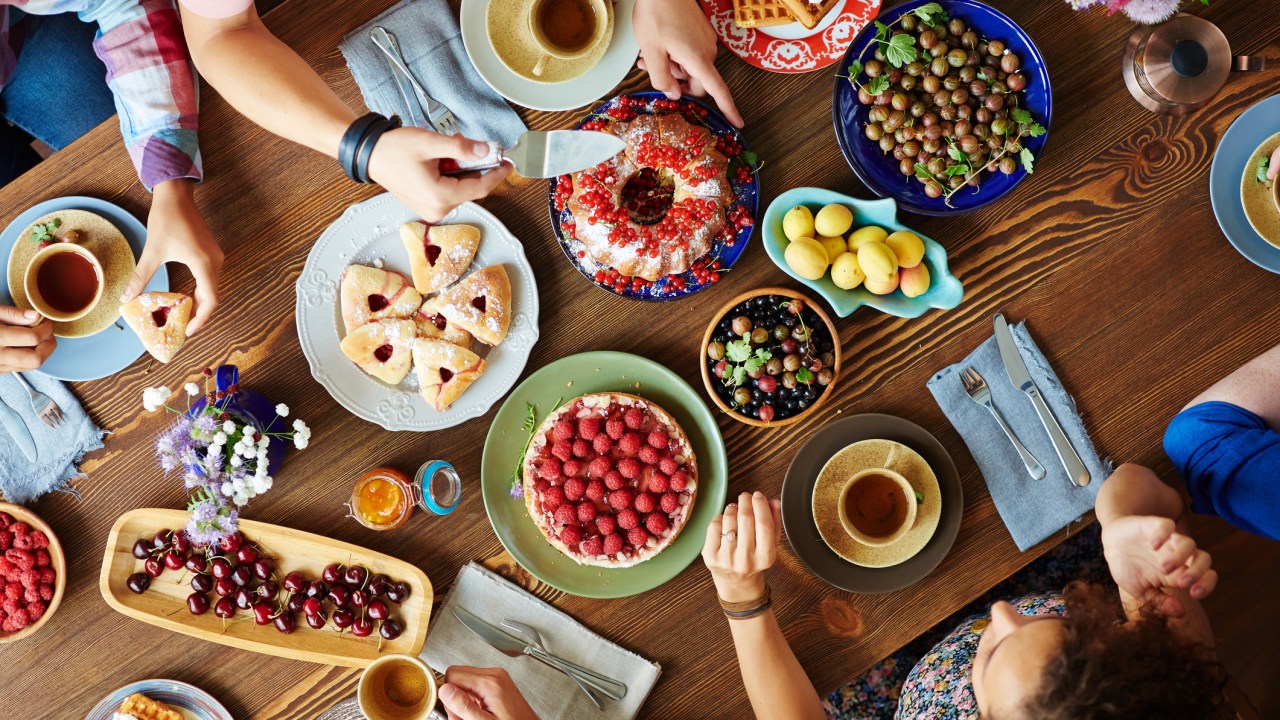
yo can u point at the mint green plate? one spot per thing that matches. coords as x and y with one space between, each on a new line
563 380
945 291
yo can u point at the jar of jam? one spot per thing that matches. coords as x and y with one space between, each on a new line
384 498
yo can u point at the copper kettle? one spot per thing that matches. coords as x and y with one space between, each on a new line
1178 66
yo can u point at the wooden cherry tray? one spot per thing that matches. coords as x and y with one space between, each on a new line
164 604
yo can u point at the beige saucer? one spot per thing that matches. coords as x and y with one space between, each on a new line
854 459
102 239
1259 198
508 27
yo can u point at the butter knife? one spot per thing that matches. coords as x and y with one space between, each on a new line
391 49
12 422
1016 367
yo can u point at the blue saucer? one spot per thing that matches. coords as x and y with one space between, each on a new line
1243 137
113 349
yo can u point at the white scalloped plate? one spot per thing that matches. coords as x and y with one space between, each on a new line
370 231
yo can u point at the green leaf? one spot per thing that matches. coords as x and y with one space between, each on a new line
855 69
739 375
764 354
955 170
919 497
900 50
878 85
804 375
922 171
1028 160
737 350
931 14
882 31
1036 130
956 155
753 364
1260 172
55 223
982 76
1022 117
749 157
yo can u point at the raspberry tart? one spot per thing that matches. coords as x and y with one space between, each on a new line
438 254
381 348
160 321
610 479
480 304
369 294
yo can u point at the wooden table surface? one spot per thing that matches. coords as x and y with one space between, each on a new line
1110 252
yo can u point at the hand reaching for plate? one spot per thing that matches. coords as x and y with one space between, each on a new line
406 162
1148 558
26 339
678 50
471 693
741 545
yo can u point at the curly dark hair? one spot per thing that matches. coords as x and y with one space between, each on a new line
1107 670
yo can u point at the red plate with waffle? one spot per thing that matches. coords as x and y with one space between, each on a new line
610 479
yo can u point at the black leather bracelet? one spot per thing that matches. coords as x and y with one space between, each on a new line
750 613
351 140
370 139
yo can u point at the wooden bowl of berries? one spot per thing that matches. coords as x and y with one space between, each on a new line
770 356
33 565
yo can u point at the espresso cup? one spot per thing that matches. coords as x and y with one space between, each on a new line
601 11
64 282
883 505
397 687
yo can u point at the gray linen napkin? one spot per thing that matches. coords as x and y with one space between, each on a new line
551 694
21 480
1031 509
431 44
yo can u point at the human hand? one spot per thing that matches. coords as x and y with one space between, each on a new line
471 693
678 50
1148 557
177 232
1273 168
741 545
26 339
406 162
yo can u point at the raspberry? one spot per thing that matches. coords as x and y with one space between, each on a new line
657 524
566 514
9 626
638 536
606 524
586 511
6 540
620 499
668 465
595 491
630 468
615 428
572 468
648 455
550 469
612 544
658 440
570 535
562 449
581 448
574 489
628 519
12 591
29 578
7 568
18 617
593 546
31 594
679 480
659 483
5 519
634 418
46 592
563 430
39 539
19 528
47 576
630 443
36 610
614 480
22 542
602 444
599 467
645 503
669 503
589 428
553 498
43 560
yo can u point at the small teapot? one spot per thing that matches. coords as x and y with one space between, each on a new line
1178 66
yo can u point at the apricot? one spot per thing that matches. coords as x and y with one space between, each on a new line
797 223
807 258
914 280
845 272
907 246
870 233
877 261
833 220
883 287
833 245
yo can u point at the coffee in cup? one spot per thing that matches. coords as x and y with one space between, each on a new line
568 29
397 687
878 505
64 282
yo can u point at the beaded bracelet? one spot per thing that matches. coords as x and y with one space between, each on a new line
747 609
350 143
371 137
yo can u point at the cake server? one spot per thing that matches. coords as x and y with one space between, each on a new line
1016 367
539 154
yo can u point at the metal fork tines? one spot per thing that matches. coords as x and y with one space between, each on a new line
45 408
603 683
439 115
981 394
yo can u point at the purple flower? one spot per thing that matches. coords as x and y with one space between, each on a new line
517 490
211 520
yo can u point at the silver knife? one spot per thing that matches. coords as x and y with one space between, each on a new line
18 430
387 43
512 646
1021 379
539 154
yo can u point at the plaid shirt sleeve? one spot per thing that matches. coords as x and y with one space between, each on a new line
153 80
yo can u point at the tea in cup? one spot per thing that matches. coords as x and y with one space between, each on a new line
877 507
64 282
568 29
397 687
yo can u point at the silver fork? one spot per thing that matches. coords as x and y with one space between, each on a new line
46 409
610 687
981 394
439 115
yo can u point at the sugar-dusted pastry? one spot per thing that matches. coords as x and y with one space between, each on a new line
371 294
438 254
444 371
480 304
431 324
160 321
382 348
142 707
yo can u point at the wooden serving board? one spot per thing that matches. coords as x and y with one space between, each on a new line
164 604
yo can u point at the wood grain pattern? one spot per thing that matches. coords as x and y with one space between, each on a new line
1110 251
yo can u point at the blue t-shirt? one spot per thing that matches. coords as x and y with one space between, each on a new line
1230 461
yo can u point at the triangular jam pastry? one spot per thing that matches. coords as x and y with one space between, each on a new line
144 708
382 348
372 294
438 254
431 324
160 320
444 371
480 304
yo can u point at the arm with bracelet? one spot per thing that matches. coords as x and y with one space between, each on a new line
270 84
740 546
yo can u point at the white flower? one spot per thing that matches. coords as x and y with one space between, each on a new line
227 488
300 441
1151 12
191 388
236 461
263 443
282 410
154 398
228 427
219 438
299 426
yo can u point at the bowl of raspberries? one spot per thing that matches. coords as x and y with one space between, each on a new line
33 572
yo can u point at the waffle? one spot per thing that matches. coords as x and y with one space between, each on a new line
809 13
144 708
761 13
